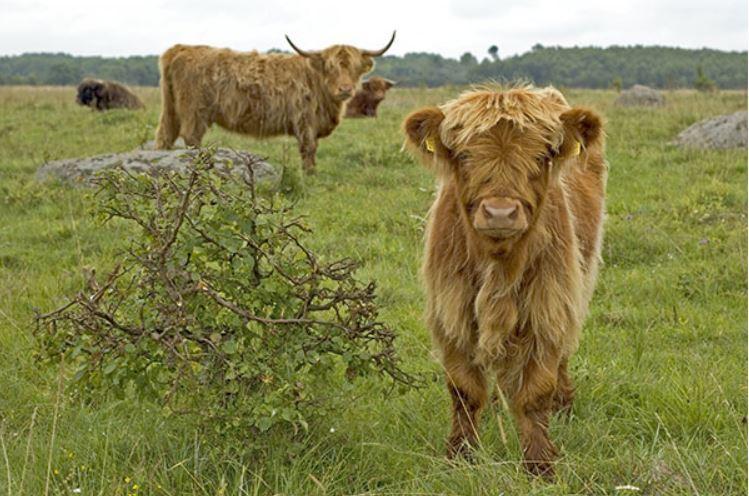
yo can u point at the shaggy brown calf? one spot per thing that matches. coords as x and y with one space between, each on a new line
366 100
105 95
512 250
258 94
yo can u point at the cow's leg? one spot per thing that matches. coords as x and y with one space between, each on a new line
532 406
193 130
467 386
308 149
565 392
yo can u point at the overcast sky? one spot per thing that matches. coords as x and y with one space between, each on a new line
449 27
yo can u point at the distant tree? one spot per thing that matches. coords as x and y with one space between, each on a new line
702 82
63 73
468 59
580 67
616 83
494 52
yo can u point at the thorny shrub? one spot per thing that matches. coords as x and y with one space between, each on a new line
217 308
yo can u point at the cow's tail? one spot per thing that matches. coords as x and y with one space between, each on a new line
168 129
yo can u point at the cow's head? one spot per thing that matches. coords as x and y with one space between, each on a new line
88 91
377 87
503 149
341 66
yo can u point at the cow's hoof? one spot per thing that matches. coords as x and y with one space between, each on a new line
542 469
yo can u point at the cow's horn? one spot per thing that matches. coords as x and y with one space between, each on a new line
377 53
296 48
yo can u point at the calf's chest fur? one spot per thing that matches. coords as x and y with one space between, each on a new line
504 310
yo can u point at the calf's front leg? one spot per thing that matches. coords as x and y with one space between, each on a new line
532 405
468 392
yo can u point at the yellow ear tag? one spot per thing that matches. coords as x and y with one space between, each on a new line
430 144
576 149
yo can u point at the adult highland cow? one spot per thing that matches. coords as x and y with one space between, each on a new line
369 97
105 95
259 94
512 250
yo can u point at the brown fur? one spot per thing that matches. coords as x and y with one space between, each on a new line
257 94
511 305
104 95
368 98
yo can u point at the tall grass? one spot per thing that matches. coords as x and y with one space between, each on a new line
661 372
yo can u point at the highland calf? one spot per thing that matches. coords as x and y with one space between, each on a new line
512 251
368 98
258 94
105 95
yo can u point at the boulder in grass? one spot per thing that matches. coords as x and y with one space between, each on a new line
82 170
640 96
717 133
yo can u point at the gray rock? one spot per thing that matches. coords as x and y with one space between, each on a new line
717 133
640 96
82 170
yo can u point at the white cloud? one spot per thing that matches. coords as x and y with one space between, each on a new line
450 27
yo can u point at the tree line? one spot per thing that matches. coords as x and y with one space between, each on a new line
580 67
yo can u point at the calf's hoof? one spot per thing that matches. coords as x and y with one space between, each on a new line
460 448
539 460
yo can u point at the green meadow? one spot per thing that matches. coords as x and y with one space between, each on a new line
661 372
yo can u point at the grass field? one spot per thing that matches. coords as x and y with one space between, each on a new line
661 371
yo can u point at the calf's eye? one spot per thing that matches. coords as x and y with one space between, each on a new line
462 157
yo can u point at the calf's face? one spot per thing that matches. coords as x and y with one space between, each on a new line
501 163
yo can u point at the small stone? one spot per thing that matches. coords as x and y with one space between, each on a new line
640 96
717 133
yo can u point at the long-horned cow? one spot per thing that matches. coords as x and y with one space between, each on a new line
258 94
512 251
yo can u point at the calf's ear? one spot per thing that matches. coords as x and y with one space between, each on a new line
583 129
389 84
422 134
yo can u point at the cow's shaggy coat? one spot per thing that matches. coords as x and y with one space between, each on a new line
104 95
258 94
368 98
512 250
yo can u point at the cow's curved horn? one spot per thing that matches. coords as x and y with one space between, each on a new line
296 48
377 53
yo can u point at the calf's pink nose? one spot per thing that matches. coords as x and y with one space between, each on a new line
501 213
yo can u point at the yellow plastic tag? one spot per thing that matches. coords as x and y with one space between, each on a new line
430 144
576 149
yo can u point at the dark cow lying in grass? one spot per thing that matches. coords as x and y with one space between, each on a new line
366 100
512 251
105 95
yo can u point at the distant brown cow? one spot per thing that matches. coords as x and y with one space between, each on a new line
366 100
258 94
105 95
512 251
